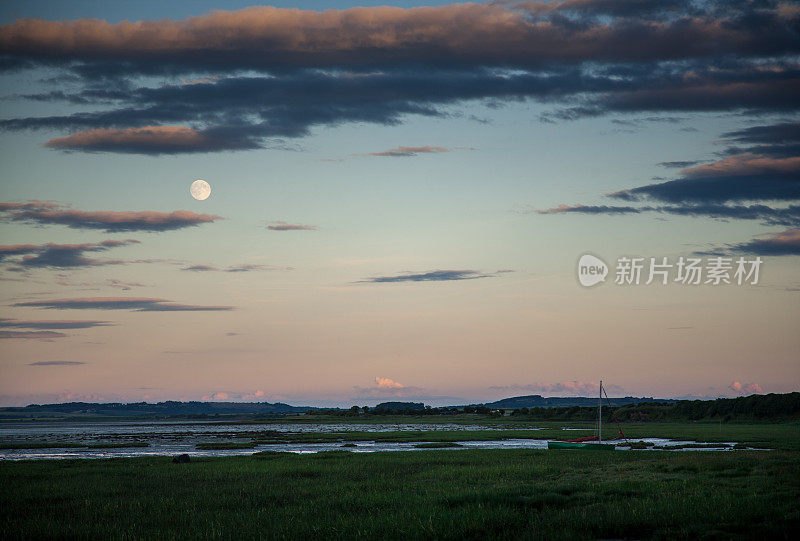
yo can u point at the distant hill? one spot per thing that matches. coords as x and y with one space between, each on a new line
144 409
538 401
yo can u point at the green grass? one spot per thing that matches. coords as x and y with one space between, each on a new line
458 494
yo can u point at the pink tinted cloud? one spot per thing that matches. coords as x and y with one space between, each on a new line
145 140
255 395
745 164
387 383
745 388
387 388
514 34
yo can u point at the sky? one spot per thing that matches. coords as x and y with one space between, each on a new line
400 199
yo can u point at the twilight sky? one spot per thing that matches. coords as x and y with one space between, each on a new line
400 197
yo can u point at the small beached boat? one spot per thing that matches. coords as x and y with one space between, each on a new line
589 442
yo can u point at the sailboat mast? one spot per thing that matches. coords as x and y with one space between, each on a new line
600 415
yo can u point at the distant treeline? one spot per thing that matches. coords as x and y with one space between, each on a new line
746 408
749 408
168 408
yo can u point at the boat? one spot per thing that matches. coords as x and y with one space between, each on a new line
574 445
589 442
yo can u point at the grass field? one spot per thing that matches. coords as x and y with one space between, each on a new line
446 494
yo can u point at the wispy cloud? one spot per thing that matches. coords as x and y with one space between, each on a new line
47 213
52 324
433 276
787 216
135 304
233 268
31 335
405 152
283 226
56 363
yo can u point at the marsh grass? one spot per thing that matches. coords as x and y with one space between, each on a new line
444 494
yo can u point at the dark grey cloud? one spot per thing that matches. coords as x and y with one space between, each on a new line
781 133
679 165
774 244
56 363
48 213
759 180
377 65
52 255
787 216
239 112
766 168
283 226
590 209
432 276
781 140
733 187
52 324
134 304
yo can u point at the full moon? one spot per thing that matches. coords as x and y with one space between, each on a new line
200 190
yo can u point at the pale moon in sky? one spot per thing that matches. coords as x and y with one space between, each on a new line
200 190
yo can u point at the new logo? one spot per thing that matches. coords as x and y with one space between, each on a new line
591 270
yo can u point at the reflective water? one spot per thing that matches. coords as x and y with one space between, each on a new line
171 438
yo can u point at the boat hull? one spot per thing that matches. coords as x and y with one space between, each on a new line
575 445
